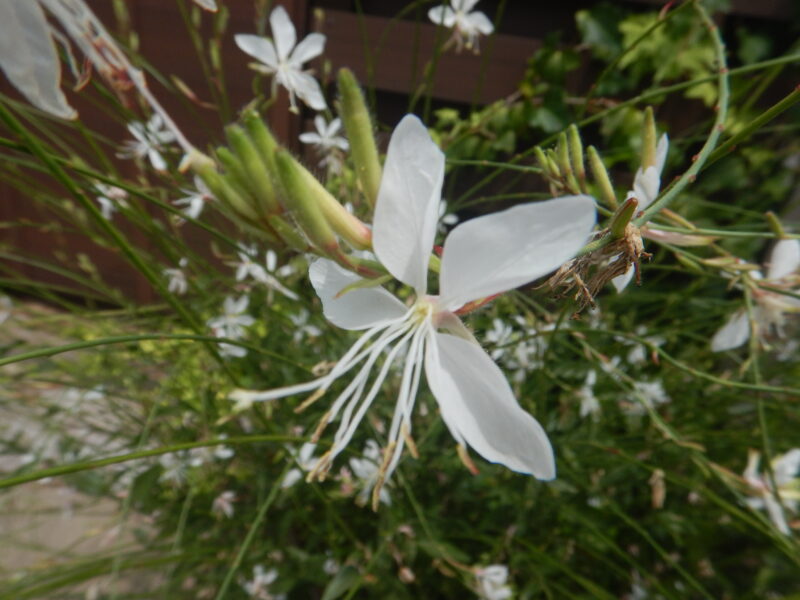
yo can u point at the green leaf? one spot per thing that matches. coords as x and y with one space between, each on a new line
343 581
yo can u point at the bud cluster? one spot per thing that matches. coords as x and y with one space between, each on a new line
269 193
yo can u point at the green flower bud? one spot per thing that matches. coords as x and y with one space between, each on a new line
649 140
623 216
301 200
258 178
359 129
576 155
601 177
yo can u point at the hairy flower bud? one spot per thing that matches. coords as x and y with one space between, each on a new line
359 129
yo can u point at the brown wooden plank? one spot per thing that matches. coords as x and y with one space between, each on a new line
400 49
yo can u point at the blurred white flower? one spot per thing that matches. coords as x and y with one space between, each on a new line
284 60
491 583
447 220
590 406
258 587
150 139
467 25
5 308
499 336
223 504
110 198
786 470
646 394
195 200
305 461
769 307
177 278
367 471
231 324
327 142
302 329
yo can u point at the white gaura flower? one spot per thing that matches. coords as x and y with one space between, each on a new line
223 504
367 468
110 198
195 200
305 462
466 24
769 307
258 587
646 185
177 278
284 60
149 140
231 324
491 583
590 405
786 470
327 142
481 258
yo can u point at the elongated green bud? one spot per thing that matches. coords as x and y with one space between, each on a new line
542 160
359 129
258 179
775 224
623 216
220 188
576 155
562 154
345 224
264 141
552 161
601 177
649 140
302 202
288 234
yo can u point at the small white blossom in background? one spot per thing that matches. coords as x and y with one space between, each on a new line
491 583
446 219
305 460
786 470
231 324
284 60
302 329
590 406
264 274
150 139
638 353
500 336
195 200
223 504
769 307
177 278
327 142
258 586
175 465
646 394
110 198
367 469
467 25
6 306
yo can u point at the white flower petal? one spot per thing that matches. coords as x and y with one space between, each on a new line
733 334
503 250
784 259
661 153
442 15
478 406
356 309
645 186
311 47
621 281
408 201
307 88
283 32
786 467
258 47
481 22
321 126
29 59
310 138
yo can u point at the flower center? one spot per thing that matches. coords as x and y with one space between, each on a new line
423 309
